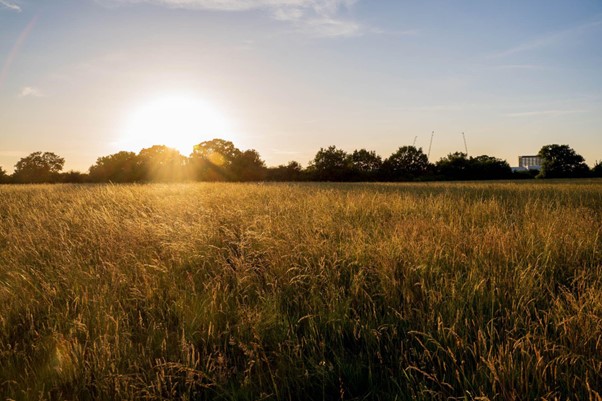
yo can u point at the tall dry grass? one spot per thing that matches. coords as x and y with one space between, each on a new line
309 291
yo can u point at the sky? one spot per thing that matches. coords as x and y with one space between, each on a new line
88 78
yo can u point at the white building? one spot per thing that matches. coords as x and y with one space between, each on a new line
529 163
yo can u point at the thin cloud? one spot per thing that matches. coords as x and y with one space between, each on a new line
550 39
30 91
315 17
545 113
520 67
10 6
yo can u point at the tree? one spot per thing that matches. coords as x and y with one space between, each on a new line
211 160
331 164
454 166
457 166
597 169
248 166
161 163
561 161
293 171
488 168
118 167
3 176
73 177
407 163
365 164
38 167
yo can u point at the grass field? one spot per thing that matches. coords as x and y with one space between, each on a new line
309 291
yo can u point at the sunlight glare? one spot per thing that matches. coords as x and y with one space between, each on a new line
179 122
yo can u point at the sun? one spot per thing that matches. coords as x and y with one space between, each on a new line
177 121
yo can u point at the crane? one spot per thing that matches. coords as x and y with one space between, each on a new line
428 156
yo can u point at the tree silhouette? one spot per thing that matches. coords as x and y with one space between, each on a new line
3 176
597 169
161 163
248 166
211 160
292 171
561 161
118 167
366 165
331 164
38 167
407 163
454 166
488 168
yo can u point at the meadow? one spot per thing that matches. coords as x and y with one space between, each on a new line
224 291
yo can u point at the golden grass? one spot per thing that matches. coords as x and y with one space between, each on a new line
307 291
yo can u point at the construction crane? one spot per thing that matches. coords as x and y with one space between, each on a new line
428 156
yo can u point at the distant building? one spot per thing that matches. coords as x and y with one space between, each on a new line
529 163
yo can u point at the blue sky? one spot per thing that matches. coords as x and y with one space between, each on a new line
288 77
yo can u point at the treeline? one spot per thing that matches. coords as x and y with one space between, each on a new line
220 160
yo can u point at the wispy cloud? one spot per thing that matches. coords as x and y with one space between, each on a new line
30 91
10 5
550 39
315 17
558 112
520 67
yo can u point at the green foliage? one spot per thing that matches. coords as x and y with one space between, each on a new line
301 292
160 163
561 161
38 167
458 166
455 166
293 171
73 177
220 160
118 167
597 169
331 164
248 166
489 168
366 165
211 160
407 163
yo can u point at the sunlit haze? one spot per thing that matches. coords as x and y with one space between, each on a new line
178 121
88 78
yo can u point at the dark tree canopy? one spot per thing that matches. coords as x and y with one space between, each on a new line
597 169
161 163
454 166
118 167
293 171
211 160
331 164
366 165
458 166
39 167
407 163
220 160
489 168
248 166
561 161
217 151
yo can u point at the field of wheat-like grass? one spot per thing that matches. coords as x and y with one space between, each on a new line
307 291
